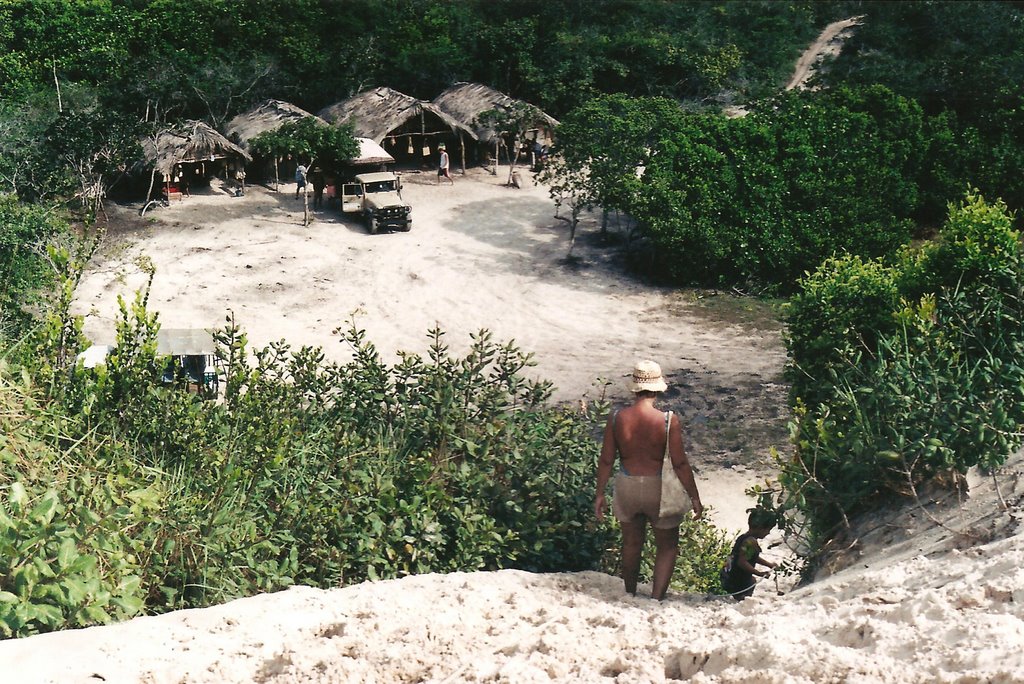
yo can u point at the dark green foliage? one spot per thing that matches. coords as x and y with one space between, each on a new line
963 62
759 199
309 141
24 233
209 59
909 371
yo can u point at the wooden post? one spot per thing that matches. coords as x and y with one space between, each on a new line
462 146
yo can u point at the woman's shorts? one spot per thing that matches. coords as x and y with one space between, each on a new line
638 497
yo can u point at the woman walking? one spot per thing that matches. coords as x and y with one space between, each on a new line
642 437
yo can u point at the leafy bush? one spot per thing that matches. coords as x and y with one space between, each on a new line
24 233
327 474
66 524
917 367
759 199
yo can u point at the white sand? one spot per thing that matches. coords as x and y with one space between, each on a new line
921 604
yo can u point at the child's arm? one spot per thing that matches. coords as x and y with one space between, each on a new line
762 561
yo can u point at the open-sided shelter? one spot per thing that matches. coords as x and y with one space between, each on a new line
465 102
410 130
188 155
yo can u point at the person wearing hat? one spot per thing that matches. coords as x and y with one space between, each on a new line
443 164
638 435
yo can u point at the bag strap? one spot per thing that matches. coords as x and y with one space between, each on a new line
668 422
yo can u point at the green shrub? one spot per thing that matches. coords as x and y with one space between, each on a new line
842 309
918 367
326 474
67 553
760 199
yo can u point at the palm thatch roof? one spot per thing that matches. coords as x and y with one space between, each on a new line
268 116
376 113
272 114
189 142
467 101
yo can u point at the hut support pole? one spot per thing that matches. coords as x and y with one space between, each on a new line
462 147
152 182
277 176
423 137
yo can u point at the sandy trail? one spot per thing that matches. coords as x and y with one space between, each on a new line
828 44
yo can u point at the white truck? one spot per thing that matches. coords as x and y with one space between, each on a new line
377 197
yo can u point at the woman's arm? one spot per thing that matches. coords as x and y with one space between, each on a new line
604 466
682 465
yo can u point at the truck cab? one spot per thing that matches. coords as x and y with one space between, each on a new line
377 197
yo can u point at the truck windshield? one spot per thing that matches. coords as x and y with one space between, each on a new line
381 186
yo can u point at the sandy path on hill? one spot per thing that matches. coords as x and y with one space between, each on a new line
828 44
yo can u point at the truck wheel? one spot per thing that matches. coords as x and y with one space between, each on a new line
371 223
406 227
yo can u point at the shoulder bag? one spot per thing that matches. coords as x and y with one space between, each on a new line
674 499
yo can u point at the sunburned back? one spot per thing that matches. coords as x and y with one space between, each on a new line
640 439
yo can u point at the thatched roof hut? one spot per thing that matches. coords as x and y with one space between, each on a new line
268 116
273 114
191 142
465 102
403 123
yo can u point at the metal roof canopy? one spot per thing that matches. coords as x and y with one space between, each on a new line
184 342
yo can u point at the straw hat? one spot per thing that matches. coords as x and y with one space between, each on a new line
646 377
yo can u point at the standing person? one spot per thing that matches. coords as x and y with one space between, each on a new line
316 177
638 435
442 165
300 180
738 573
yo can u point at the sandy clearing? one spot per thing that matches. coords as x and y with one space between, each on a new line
480 256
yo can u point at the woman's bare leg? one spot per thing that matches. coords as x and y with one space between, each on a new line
632 546
666 550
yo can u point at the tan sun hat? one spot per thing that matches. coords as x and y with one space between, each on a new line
647 377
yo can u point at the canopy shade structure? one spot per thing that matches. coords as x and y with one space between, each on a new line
371 153
184 342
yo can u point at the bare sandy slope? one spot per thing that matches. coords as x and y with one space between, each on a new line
828 44
931 594
480 256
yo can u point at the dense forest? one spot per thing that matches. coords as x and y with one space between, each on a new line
883 201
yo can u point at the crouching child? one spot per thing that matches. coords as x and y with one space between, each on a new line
738 574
